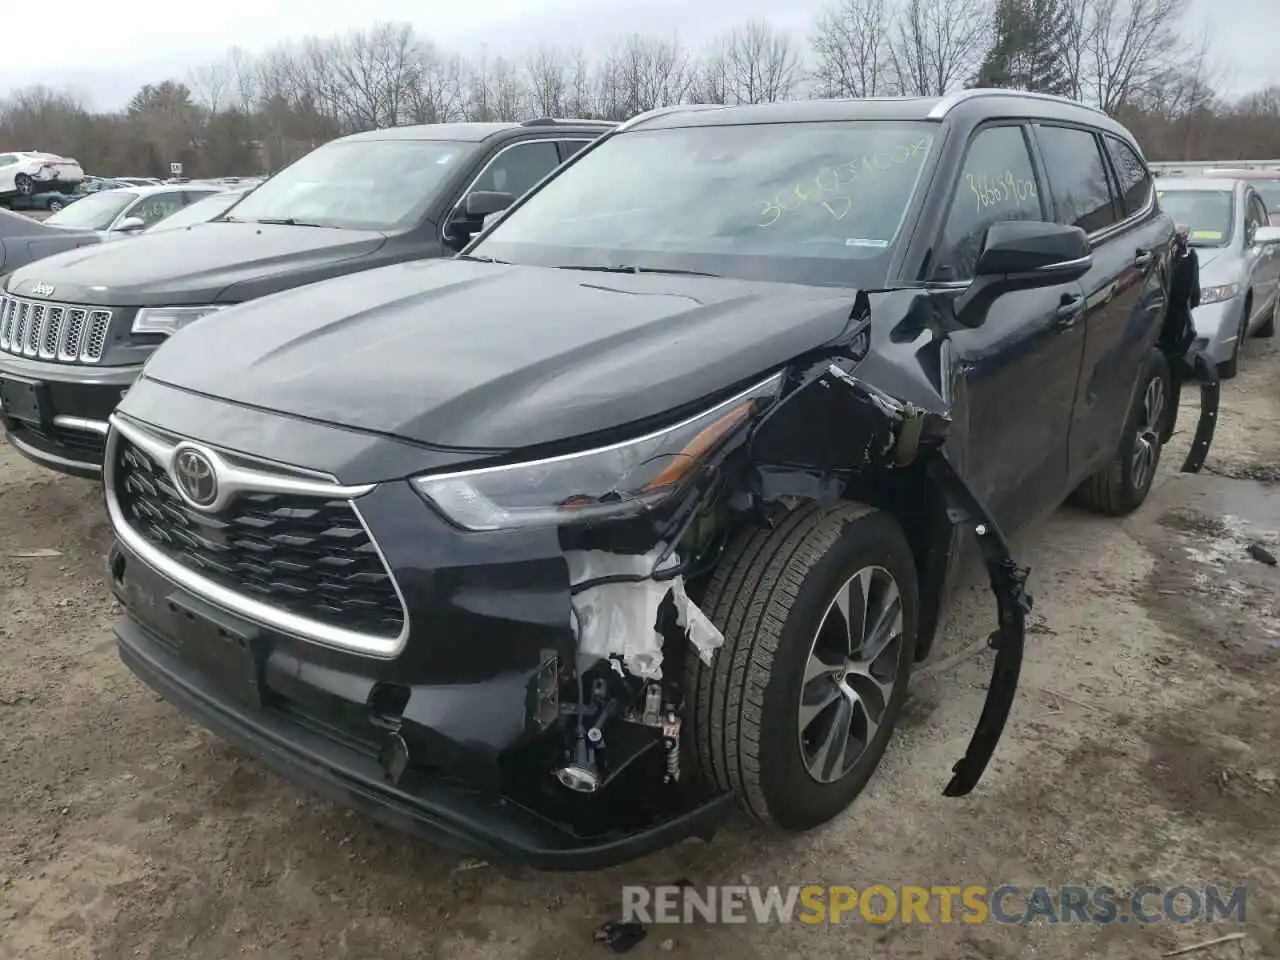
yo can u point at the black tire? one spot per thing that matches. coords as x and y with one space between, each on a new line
1115 490
769 596
1268 329
1229 369
24 185
55 206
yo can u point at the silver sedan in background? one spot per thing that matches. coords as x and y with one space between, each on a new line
1239 261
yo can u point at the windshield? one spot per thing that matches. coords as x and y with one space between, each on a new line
94 212
1209 214
357 185
797 202
1269 190
202 211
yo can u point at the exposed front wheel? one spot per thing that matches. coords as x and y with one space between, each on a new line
55 206
819 616
1123 485
24 184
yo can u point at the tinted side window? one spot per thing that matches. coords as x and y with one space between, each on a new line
1135 179
518 168
1078 177
997 182
6 159
569 147
1253 217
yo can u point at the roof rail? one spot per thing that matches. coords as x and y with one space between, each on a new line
552 121
667 111
953 100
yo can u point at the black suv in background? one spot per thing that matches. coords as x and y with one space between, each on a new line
75 330
647 504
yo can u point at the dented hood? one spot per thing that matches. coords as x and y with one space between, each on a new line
489 356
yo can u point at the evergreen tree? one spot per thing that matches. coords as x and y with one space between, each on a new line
1027 47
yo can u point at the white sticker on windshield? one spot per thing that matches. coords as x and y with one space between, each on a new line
866 242
445 159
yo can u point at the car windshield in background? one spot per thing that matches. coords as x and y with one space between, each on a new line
798 202
94 212
357 185
1208 214
202 211
1269 190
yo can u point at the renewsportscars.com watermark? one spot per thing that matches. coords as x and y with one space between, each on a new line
1006 903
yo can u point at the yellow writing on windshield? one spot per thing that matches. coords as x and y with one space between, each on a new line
1000 189
828 188
1206 234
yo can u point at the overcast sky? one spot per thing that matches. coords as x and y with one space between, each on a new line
107 51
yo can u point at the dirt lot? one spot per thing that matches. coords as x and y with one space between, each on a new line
1144 747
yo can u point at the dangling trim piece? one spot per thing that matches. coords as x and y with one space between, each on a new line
1013 603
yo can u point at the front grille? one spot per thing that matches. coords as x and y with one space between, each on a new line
307 555
70 333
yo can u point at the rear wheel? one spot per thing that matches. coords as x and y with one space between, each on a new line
819 617
55 205
1123 485
24 184
1228 370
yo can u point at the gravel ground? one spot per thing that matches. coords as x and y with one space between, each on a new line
1144 747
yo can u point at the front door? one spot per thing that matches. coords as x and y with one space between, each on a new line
1019 368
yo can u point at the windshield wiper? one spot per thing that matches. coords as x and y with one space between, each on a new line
628 268
474 258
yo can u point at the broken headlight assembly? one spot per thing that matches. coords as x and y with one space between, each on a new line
609 482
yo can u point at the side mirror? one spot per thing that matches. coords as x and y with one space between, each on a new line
131 224
1022 255
1267 236
481 203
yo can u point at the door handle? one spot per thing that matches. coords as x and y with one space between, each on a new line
1143 259
1070 307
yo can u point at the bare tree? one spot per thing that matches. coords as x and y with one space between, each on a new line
548 84
642 73
1126 45
936 44
850 49
752 63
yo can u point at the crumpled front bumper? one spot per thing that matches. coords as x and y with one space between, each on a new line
303 743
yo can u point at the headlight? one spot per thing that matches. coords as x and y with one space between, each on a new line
168 320
1218 294
607 481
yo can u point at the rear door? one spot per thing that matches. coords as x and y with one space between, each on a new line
1019 368
1100 184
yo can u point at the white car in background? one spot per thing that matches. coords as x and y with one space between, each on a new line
125 211
27 172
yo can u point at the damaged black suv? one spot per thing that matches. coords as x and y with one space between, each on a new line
644 506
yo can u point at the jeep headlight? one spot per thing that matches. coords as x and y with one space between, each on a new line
611 481
168 320
1218 294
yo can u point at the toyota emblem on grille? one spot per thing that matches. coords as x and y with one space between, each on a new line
42 289
195 476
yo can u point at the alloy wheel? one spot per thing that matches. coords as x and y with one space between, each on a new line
1146 447
850 673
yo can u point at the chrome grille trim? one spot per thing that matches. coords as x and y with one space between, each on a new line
247 479
44 330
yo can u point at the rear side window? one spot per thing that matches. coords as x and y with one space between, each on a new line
569 147
1078 177
1132 173
997 182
